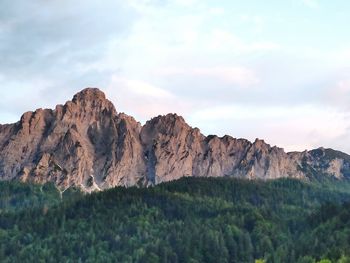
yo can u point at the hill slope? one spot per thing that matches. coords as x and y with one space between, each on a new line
189 220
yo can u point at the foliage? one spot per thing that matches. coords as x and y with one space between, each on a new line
15 196
189 220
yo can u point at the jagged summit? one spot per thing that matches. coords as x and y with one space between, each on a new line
85 143
92 99
89 94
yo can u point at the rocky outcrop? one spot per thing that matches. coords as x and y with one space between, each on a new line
87 144
83 143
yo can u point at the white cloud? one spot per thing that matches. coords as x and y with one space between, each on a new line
140 88
343 87
338 95
258 22
314 4
230 75
217 11
142 99
186 2
311 126
23 97
224 40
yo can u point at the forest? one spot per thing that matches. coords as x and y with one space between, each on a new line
188 220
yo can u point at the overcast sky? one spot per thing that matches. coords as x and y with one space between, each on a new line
277 70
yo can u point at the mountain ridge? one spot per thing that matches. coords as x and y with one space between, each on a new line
86 143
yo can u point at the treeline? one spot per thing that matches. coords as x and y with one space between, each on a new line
189 220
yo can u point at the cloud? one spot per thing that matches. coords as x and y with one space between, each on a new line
217 11
338 95
312 126
140 88
21 98
186 2
51 37
142 99
240 76
225 40
257 21
314 4
202 59
51 49
343 87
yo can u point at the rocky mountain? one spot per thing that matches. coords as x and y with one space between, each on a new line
86 143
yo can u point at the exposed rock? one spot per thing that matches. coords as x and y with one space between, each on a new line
87 144
335 167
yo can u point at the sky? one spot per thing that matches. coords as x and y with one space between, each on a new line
275 70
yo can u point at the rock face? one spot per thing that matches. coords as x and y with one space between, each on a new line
85 143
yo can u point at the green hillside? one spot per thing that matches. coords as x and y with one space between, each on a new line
189 220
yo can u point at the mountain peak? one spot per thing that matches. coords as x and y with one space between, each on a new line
89 94
91 101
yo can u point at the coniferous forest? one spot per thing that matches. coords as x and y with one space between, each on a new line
189 220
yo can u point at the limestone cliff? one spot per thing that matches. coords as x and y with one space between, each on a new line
87 144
